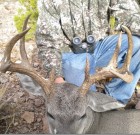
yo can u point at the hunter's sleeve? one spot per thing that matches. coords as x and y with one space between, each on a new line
128 13
47 39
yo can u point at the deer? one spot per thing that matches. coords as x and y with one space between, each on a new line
77 110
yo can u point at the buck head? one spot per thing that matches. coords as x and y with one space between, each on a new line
71 109
68 111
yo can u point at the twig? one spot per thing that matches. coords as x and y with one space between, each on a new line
7 117
10 124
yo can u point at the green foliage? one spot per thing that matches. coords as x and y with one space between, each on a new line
112 22
28 7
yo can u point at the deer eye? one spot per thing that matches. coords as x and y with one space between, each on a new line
49 115
83 116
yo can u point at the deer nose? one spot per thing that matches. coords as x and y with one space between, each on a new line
65 130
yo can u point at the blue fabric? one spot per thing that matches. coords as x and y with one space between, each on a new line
74 66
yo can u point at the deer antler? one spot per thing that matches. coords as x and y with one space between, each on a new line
24 67
111 70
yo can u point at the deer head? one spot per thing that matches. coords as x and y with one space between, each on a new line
71 109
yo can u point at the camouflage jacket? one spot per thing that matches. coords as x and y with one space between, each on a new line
60 20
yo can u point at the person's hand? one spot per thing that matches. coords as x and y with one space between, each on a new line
59 80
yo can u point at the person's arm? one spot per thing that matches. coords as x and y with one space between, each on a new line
48 43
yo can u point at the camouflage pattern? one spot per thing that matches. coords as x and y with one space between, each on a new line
78 19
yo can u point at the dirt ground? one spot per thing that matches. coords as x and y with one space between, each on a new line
21 112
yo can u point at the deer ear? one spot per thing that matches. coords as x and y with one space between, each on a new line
29 84
99 102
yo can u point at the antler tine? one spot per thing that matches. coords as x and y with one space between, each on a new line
23 68
85 85
22 43
7 54
113 61
52 76
124 72
130 49
87 69
111 70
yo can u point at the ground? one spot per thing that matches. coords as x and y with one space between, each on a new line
20 112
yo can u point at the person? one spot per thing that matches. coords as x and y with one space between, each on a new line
63 24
